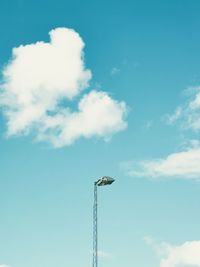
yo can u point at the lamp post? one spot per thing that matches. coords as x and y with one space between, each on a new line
101 182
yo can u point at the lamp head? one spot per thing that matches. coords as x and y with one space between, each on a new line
105 180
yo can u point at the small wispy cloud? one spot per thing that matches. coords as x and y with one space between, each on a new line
158 248
171 119
188 115
42 79
148 125
103 254
114 71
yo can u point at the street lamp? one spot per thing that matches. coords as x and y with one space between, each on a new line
101 182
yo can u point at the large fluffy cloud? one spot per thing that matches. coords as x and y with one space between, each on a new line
98 115
41 80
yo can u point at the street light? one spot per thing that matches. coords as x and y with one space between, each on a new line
101 182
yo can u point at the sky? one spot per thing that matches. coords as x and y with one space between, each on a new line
94 88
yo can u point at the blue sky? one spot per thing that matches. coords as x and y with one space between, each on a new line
130 111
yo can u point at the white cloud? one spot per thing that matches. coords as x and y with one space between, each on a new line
3 265
186 254
183 164
42 79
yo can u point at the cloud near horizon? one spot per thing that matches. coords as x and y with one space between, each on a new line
186 254
42 80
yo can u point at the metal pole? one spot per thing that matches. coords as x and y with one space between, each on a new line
101 182
95 229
